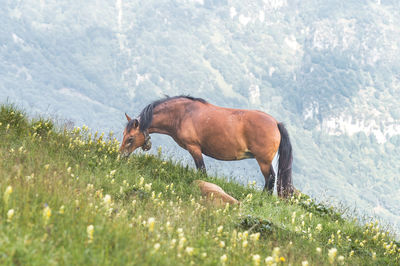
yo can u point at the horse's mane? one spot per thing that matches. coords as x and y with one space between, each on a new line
146 116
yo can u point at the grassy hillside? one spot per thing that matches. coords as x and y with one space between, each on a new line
325 68
68 198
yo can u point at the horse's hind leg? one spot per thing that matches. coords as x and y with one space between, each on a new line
269 175
271 180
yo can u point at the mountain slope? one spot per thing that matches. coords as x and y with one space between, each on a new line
327 69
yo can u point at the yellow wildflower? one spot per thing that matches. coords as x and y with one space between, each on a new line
150 224
245 235
46 214
10 215
147 187
189 250
332 255
269 260
181 243
275 252
168 226
223 259
90 231
255 237
219 229
319 227
173 242
341 260
7 194
107 200
256 259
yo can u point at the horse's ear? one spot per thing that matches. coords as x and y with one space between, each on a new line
135 123
127 117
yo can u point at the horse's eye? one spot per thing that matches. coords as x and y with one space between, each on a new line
129 141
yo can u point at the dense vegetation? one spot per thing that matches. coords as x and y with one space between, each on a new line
68 198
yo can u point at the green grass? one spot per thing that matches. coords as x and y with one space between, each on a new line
75 201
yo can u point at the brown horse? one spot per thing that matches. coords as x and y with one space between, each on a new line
221 133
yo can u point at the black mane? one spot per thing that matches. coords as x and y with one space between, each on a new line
146 116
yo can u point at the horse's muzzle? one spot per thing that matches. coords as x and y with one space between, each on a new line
125 154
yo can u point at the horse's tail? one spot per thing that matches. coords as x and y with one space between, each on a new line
284 184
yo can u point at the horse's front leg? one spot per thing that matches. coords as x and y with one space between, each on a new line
195 151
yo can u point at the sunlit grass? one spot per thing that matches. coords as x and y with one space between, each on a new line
68 198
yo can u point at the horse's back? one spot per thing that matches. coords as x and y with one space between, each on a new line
235 120
230 134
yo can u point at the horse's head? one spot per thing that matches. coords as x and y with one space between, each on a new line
134 138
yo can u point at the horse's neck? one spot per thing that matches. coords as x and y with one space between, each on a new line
164 122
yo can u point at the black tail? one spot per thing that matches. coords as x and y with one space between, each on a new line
284 184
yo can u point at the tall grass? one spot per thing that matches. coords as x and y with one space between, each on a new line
68 198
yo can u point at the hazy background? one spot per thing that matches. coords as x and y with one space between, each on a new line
329 69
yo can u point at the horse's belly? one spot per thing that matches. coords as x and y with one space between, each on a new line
227 154
246 155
